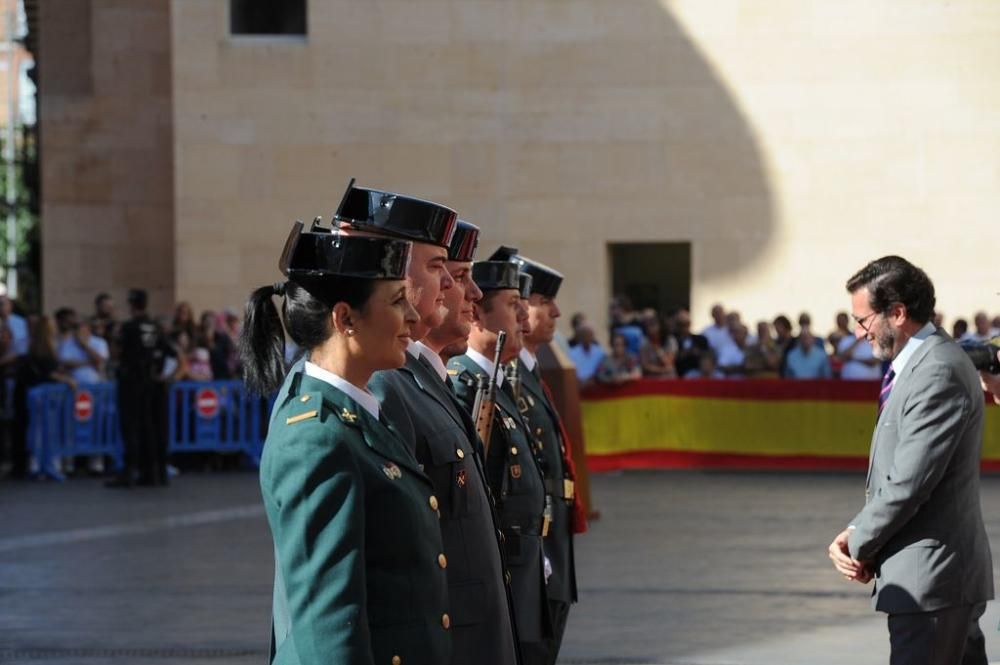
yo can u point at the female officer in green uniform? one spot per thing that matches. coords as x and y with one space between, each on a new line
359 565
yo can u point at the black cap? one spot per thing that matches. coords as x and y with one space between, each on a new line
322 253
397 215
545 280
495 275
524 281
464 242
137 298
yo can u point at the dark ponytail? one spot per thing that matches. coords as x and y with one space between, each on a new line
262 342
307 317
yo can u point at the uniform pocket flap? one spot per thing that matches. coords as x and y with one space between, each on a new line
446 445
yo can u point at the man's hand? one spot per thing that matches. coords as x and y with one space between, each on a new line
991 383
850 568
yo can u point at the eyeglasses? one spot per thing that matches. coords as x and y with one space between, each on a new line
861 321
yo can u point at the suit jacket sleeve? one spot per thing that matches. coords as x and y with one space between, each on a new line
929 431
319 539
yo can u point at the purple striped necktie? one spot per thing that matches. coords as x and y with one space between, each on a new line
887 381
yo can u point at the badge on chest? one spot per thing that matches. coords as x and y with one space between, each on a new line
392 471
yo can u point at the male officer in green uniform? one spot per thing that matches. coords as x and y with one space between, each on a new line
448 450
359 558
548 432
511 469
428 225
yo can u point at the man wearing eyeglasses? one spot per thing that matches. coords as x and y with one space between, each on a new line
991 383
920 535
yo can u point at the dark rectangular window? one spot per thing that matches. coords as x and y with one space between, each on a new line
267 17
652 274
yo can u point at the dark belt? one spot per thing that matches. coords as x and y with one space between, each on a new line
560 488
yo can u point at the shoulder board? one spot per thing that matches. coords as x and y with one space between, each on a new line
453 372
301 417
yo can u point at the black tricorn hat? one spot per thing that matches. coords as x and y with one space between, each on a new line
319 253
545 280
464 242
524 281
495 275
397 215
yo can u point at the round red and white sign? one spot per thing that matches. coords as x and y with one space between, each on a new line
206 402
83 406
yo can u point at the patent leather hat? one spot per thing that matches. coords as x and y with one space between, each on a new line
464 242
397 215
313 257
495 275
545 280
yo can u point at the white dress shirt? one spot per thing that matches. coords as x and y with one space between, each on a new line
365 399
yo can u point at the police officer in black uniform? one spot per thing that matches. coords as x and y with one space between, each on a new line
511 469
547 432
140 341
446 445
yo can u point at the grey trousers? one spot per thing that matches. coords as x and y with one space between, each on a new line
950 636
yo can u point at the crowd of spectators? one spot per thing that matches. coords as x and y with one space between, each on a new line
75 348
646 344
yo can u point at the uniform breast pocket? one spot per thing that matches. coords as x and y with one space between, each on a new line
453 472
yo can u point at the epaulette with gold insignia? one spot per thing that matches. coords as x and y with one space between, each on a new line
307 415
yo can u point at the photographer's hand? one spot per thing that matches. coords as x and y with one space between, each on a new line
991 383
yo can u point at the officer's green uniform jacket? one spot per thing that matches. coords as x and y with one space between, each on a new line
543 421
447 447
358 547
517 487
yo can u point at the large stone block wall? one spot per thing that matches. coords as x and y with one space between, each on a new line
106 128
788 142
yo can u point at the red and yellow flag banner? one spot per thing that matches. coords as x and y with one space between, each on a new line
750 424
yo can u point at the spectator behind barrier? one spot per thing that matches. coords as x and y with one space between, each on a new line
984 331
807 359
707 368
658 351
103 323
83 354
717 334
762 359
218 344
36 367
17 324
732 358
959 330
689 346
621 365
858 361
184 321
587 355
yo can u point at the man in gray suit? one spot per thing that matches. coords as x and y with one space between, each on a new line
920 534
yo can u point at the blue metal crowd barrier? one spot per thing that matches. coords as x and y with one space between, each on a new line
65 423
214 416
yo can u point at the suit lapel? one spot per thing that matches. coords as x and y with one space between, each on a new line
898 389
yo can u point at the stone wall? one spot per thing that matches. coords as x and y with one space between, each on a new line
107 143
787 141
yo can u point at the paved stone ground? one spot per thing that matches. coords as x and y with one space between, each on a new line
682 569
